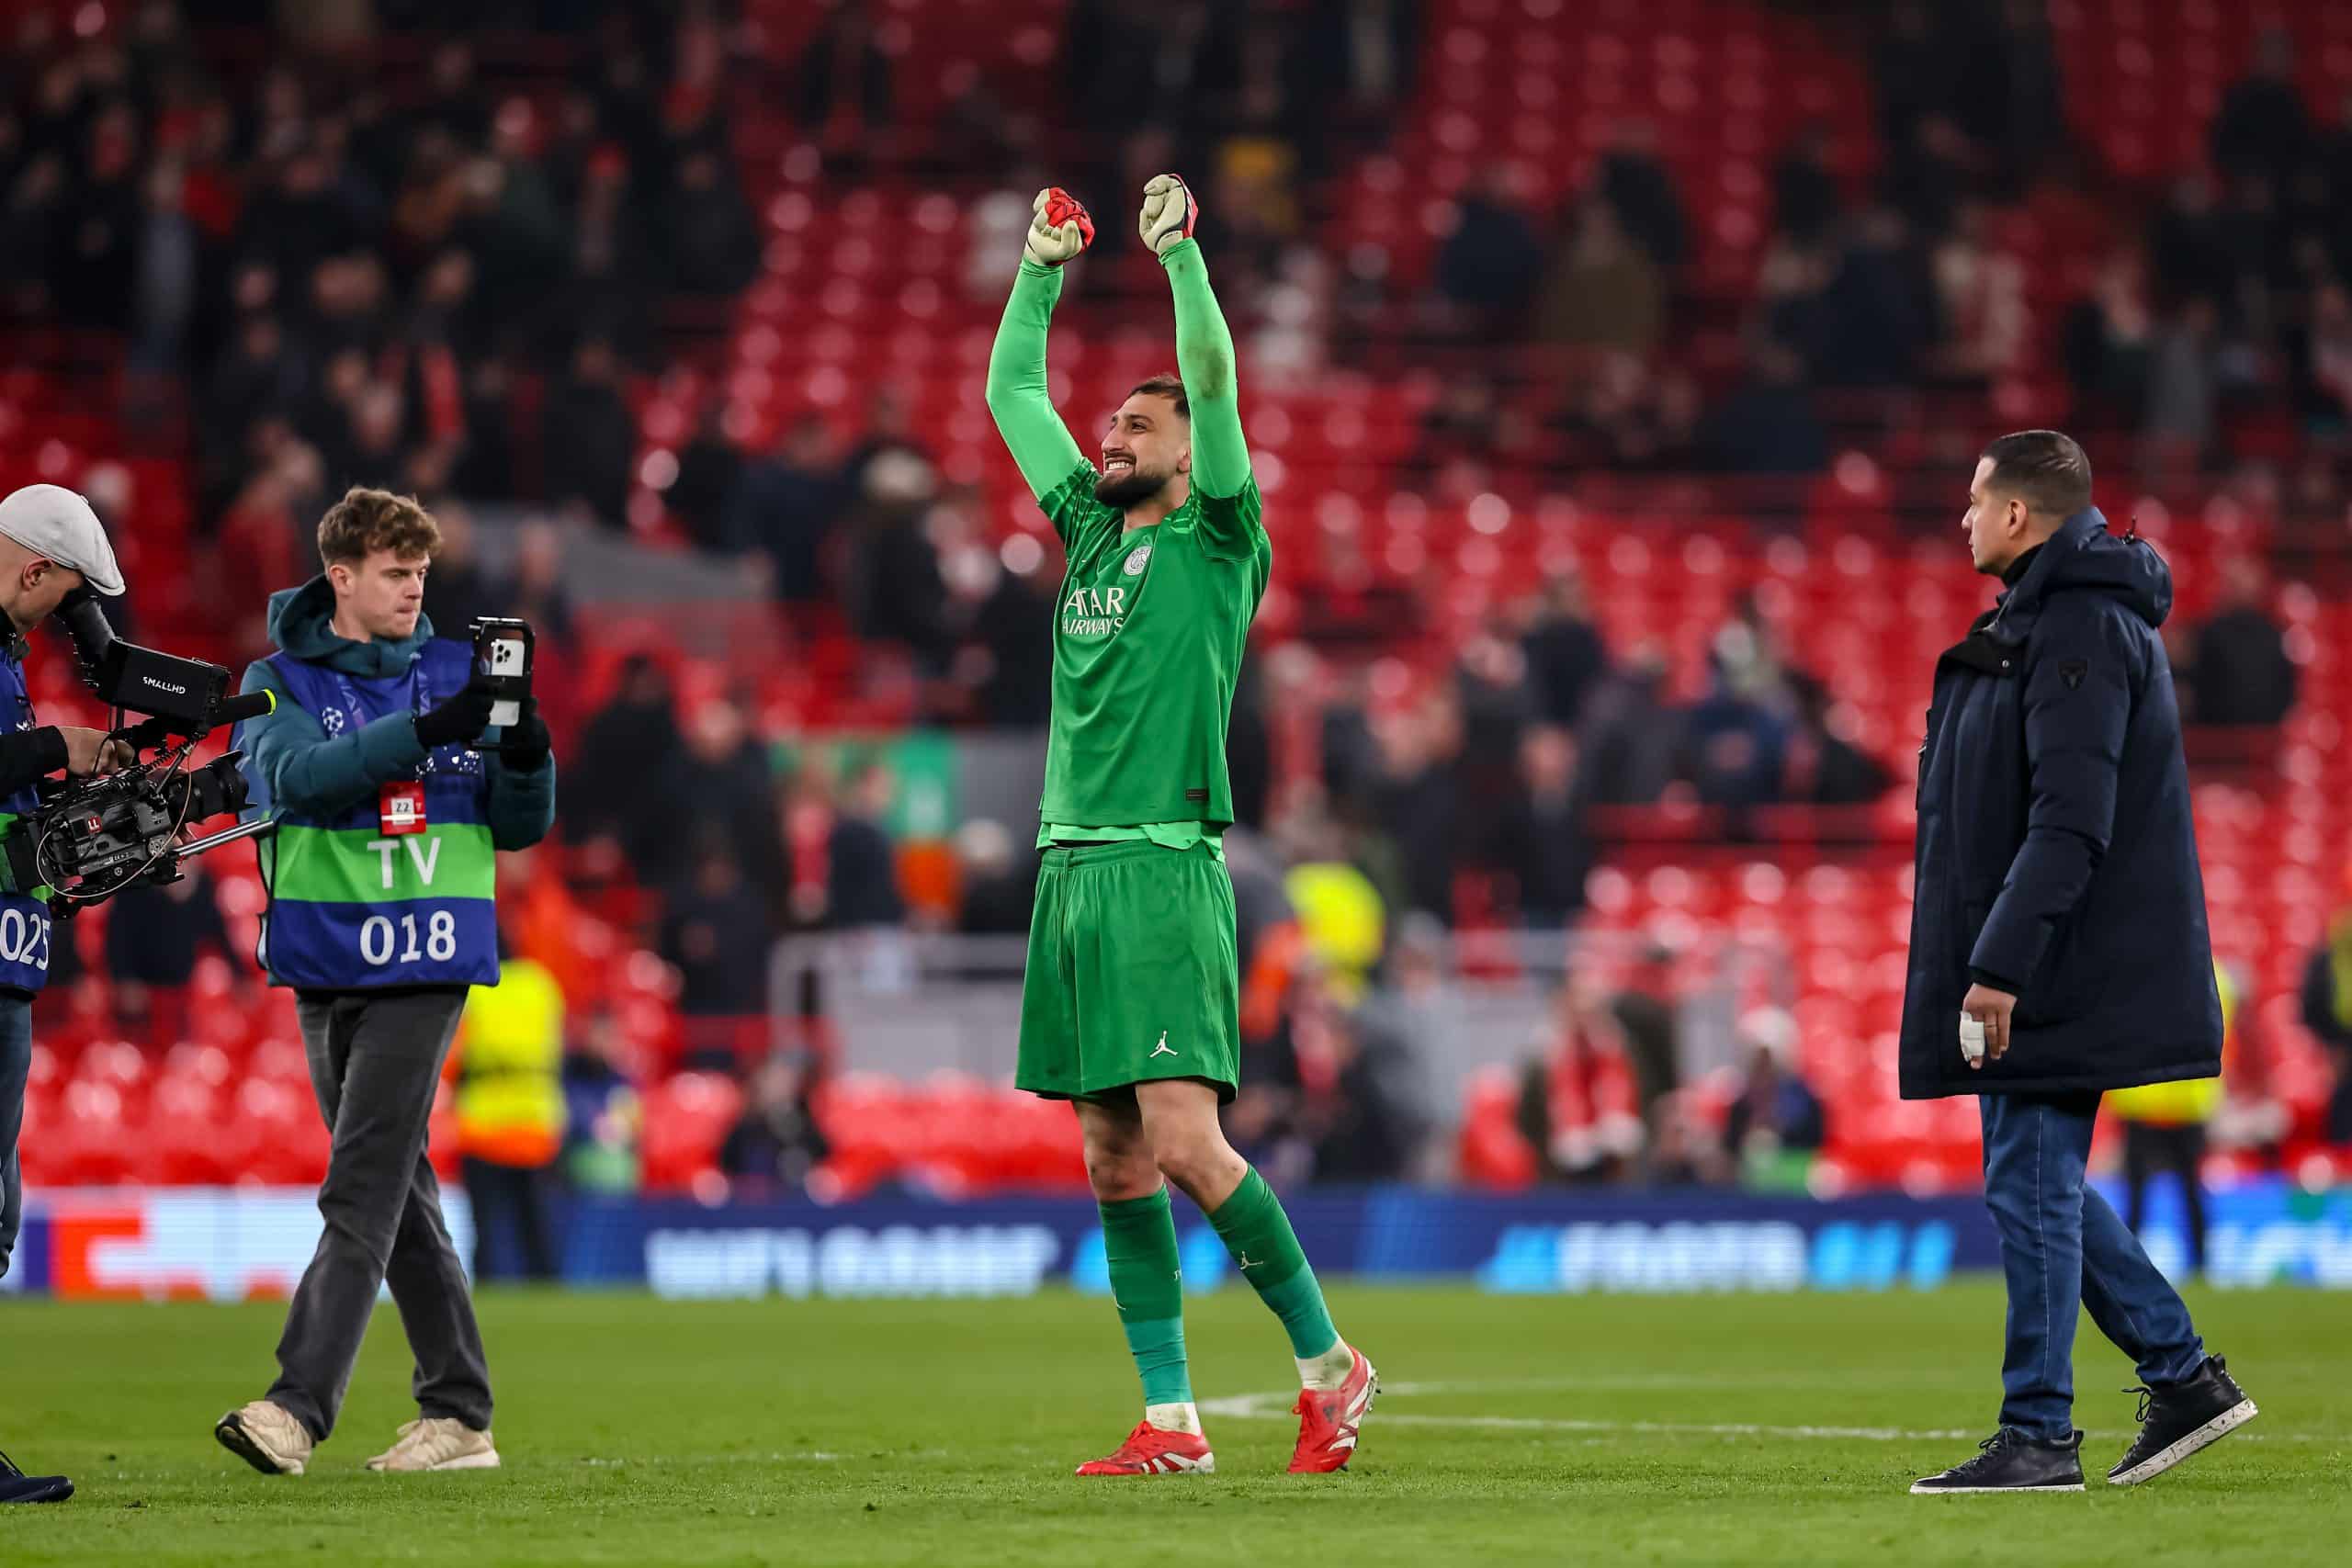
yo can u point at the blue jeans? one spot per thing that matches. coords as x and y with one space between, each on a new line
2063 1248
16 1067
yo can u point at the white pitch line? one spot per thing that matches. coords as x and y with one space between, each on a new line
1279 1408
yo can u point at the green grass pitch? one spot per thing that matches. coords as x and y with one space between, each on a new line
1777 1429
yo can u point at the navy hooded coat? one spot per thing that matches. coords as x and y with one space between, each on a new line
2056 857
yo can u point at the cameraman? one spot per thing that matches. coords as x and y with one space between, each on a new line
51 544
382 879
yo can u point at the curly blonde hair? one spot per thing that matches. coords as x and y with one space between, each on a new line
365 521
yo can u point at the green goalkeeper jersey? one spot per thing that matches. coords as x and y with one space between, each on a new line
1152 624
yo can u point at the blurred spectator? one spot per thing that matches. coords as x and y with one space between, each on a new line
1914 68
1542 840
1767 425
711 475
1646 1010
1824 765
2322 369
1368 1126
2183 382
726 788
1562 648
1602 290
1284 926
1927 172
1736 738
2326 1006
532 589
1464 425
507 1070
2262 128
1354 64
1775 1113
457 589
2163 1130
999 881
862 883
2242 674
167 262
630 743
604 1117
485 469
2106 341
1876 316
1487 266
1806 201
2190 247
1980 287
1007 657
1578 1107
1413 1003
845 93
1635 184
588 424
154 936
786 505
1495 702
716 935
713 248
1632 736
777 1144
894 591
1418 796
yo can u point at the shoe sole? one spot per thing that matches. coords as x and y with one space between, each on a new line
1921 1491
463 1462
2212 1432
233 1436
1177 1465
58 1492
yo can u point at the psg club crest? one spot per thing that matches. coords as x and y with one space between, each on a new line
1136 560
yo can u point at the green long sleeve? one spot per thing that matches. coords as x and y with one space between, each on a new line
1024 413
1204 358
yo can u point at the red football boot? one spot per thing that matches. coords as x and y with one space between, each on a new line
1328 1420
1151 1451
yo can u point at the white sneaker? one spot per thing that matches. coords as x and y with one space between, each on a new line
440 1442
266 1436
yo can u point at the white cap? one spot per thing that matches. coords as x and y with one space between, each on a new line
54 522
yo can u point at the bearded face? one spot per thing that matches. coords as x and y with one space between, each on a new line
1147 447
1124 482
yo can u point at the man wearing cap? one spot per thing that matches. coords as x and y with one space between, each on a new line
51 544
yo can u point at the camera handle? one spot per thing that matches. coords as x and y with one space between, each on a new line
254 829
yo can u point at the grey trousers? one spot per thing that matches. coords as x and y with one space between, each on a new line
375 1061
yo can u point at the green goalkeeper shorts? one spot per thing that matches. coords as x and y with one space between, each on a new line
1134 972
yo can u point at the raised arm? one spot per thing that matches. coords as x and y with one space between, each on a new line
1204 343
1025 414
1204 358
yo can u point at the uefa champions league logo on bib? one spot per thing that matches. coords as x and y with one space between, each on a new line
1136 560
333 721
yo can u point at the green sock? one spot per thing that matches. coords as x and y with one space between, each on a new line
1139 1240
1258 1234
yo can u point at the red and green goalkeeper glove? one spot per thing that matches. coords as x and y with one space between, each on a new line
1062 228
1168 211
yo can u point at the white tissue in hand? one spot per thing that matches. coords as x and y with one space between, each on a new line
1972 1038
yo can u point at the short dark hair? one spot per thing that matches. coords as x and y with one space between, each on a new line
1166 384
2045 468
367 520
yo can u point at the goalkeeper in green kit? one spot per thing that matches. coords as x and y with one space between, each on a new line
1131 1003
